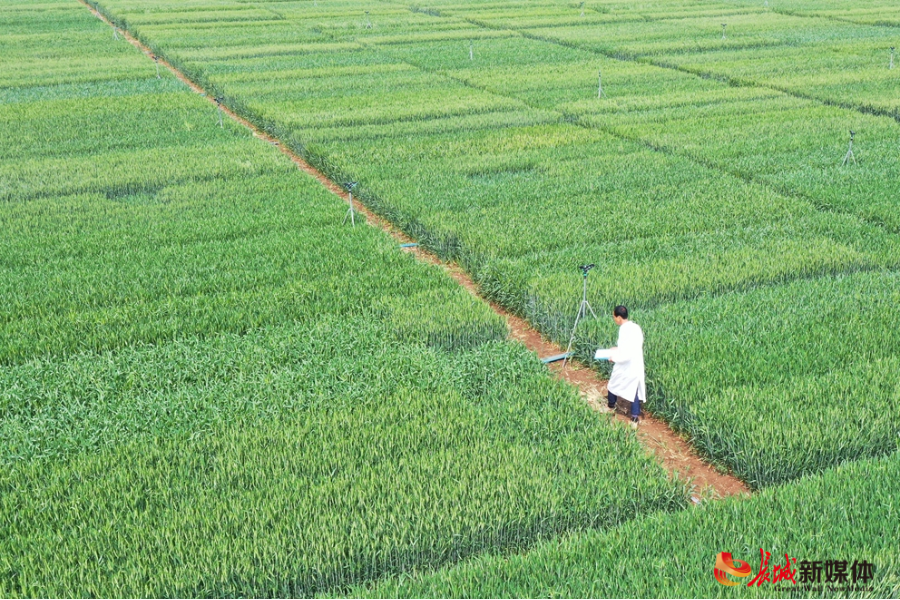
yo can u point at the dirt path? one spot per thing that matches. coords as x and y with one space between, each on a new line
672 451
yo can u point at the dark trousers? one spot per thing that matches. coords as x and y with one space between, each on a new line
611 400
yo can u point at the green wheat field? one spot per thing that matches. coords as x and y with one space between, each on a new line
210 386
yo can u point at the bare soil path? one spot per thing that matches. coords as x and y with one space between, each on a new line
670 449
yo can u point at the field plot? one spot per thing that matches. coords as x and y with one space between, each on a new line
666 556
477 128
839 63
210 387
875 12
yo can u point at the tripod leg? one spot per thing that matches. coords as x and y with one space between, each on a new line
574 329
590 308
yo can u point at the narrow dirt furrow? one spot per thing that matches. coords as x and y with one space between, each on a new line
672 451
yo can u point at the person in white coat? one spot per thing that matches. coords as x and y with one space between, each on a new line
627 379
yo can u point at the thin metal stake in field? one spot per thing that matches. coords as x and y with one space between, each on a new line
156 60
582 9
219 106
471 50
600 84
892 58
723 30
849 156
349 185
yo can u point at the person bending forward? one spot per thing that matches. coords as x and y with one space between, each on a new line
627 379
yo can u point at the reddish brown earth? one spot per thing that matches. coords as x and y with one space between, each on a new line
669 448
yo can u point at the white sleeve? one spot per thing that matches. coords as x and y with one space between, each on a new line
628 345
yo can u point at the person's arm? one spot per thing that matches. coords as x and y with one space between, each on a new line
614 351
625 348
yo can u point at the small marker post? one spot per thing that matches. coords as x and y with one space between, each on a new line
599 84
156 60
368 21
892 58
471 50
582 9
219 106
723 30
849 156
767 4
349 185
115 33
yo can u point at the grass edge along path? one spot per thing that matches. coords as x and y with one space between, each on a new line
670 448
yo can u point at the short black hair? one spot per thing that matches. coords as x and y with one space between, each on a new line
620 311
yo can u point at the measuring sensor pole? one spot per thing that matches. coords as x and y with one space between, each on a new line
849 156
723 30
582 309
599 84
350 212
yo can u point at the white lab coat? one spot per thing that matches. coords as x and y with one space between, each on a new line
627 379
